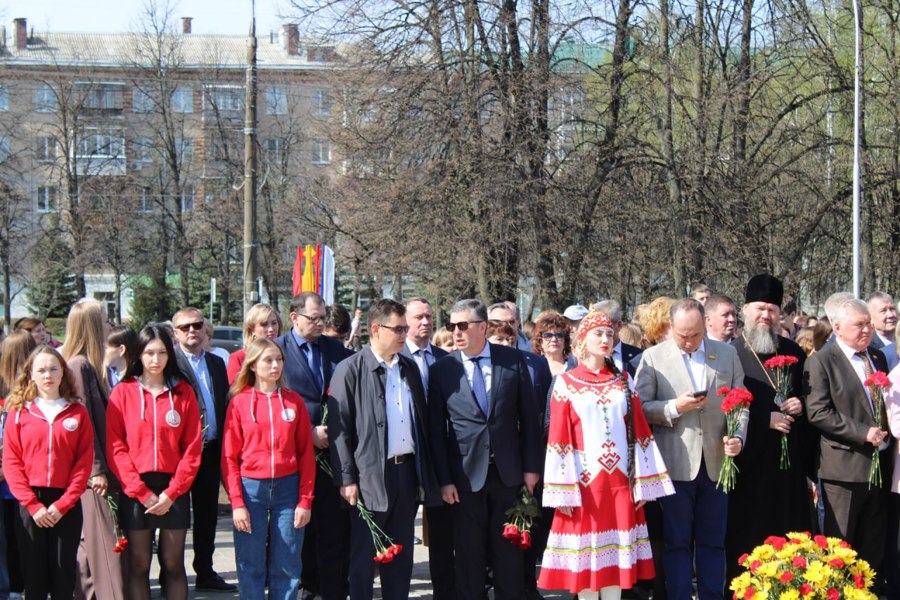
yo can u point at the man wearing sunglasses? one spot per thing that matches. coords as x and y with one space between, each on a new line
207 375
485 439
309 361
377 429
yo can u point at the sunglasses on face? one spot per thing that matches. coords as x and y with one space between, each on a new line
398 329
462 325
197 326
553 335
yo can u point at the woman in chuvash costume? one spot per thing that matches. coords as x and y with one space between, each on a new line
602 466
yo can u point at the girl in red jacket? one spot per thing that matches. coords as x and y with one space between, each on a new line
269 470
153 443
48 452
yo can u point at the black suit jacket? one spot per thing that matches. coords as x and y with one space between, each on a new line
299 377
631 358
837 405
218 376
463 440
438 353
539 371
358 428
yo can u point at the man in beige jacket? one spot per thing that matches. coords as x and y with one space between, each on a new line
677 382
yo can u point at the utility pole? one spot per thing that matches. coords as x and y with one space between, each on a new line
250 270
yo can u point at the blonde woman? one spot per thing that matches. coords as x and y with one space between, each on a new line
100 569
270 484
262 321
47 455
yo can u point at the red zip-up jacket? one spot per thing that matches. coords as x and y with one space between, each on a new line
37 453
140 439
267 436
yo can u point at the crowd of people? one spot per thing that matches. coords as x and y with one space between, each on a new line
115 444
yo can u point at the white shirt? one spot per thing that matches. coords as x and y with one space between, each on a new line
696 366
617 357
398 408
858 365
485 364
51 408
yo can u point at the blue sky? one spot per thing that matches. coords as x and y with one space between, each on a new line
210 16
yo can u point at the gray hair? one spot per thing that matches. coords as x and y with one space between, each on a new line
610 308
498 306
470 304
833 302
880 296
686 305
848 307
512 307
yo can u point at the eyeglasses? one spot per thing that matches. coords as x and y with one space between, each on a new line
398 329
462 325
197 326
313 320
550 335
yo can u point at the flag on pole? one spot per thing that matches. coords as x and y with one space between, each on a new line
326 289
309 269
297 275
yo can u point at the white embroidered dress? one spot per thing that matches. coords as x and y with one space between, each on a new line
604 542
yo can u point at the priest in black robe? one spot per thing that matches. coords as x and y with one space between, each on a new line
768 499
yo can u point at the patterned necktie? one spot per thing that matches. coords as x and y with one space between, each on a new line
478 386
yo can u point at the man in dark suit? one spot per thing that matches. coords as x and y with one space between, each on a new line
438 518
721 317
884 321
309 361
207 375
842 408
485 438
377 428
625 356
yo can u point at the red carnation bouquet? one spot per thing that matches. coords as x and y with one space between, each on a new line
385 548
780 365
877 383
734 402
121 540
521 517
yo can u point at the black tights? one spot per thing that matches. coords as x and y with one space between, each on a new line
171 558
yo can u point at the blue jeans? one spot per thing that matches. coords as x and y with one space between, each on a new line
271 503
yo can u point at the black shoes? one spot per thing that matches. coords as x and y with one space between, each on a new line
214 584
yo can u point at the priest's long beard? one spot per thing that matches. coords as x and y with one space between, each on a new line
761 340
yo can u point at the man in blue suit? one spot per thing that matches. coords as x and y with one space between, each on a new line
310 359
485 437
438 519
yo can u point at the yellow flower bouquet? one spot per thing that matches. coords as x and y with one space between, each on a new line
801 566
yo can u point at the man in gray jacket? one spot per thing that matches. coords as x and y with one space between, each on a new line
376 430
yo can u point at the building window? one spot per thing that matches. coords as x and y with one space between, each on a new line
4 148
46 199
274 151
146 204
143 149
321 152
4 98
101 144
228 98
276 101
186 150
45 99
141 100
101 96
321 103
186 200
45 148
183 100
